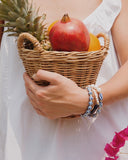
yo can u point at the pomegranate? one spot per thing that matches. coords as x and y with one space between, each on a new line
69 34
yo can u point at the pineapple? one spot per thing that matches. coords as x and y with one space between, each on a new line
20 16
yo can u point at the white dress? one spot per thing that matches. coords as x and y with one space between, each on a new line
24 135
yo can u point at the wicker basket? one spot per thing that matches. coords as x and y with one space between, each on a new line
81 67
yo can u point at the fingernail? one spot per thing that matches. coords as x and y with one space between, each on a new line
34 76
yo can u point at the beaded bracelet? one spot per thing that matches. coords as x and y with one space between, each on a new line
100 96
96 96
94 111
88 111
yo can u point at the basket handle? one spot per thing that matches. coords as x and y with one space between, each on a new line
106 40
28 36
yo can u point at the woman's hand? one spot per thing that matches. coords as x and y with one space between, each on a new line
61 98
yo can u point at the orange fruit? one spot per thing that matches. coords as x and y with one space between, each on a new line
51 25
94 44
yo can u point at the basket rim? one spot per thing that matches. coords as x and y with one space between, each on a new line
37 45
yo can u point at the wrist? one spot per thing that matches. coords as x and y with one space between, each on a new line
107 94
95 101
82 101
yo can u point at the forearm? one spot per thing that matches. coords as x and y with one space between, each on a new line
117 87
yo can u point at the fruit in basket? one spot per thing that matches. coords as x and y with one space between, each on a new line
94 44
69 34
20 16
51 25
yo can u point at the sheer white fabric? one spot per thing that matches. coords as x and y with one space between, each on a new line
24 135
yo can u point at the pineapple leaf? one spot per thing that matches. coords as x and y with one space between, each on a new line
9 30
24 12
10 24
13 15
4 17
36 23
13 34
20 21
20 16
29 17
3 8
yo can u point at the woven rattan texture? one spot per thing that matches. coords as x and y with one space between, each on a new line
81 67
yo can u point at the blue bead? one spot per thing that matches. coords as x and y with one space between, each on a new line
88 111
100 104
90 107
90 103
84 115
100 96
90 92
99 110
90 98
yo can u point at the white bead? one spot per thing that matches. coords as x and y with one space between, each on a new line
99 89
96 96
96 87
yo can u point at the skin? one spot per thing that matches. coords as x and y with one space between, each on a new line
56 9
60 99
63 97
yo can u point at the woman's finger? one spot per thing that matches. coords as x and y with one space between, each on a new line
35 106
29 83
30 94
51 77
40 112
34 99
